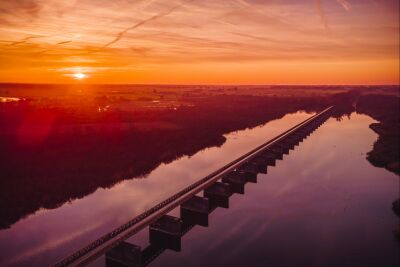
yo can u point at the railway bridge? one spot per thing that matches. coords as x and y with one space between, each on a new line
165 231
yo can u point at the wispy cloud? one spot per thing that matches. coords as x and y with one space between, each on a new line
321 13
140 23
64 42
20 7
243 2
24 40
345 4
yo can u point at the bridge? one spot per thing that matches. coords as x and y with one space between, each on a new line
165 231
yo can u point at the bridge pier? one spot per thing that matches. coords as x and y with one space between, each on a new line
275 153
196 210
291 139
236 183
264 162
150 253
282 148
298 137
218 194
166 232
305 132
250 171
269 159
251 168
124 255
290 144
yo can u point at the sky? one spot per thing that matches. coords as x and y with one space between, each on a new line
200 41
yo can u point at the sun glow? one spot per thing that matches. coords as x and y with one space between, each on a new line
79 76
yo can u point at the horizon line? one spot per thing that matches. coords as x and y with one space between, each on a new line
193 84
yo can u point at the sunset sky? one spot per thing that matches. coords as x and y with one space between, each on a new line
200 41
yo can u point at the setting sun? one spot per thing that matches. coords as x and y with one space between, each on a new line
79 76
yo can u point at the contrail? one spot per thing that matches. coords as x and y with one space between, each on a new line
140 23
321 13
24 40
346 5
64 42
255 37
243 2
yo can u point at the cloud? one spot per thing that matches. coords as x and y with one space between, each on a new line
64 42
243 3
140 23
346 5
20 7
24 40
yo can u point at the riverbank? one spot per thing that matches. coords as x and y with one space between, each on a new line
384 109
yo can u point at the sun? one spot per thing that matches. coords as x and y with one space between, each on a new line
79 76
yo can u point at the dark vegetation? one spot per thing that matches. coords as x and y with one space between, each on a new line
396 207
384 109
396 210
61 148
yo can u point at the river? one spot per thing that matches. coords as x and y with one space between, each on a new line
324 204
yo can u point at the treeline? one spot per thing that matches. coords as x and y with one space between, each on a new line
384 109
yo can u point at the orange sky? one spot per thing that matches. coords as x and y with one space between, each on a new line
208 41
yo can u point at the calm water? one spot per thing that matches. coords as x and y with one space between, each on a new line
324 204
